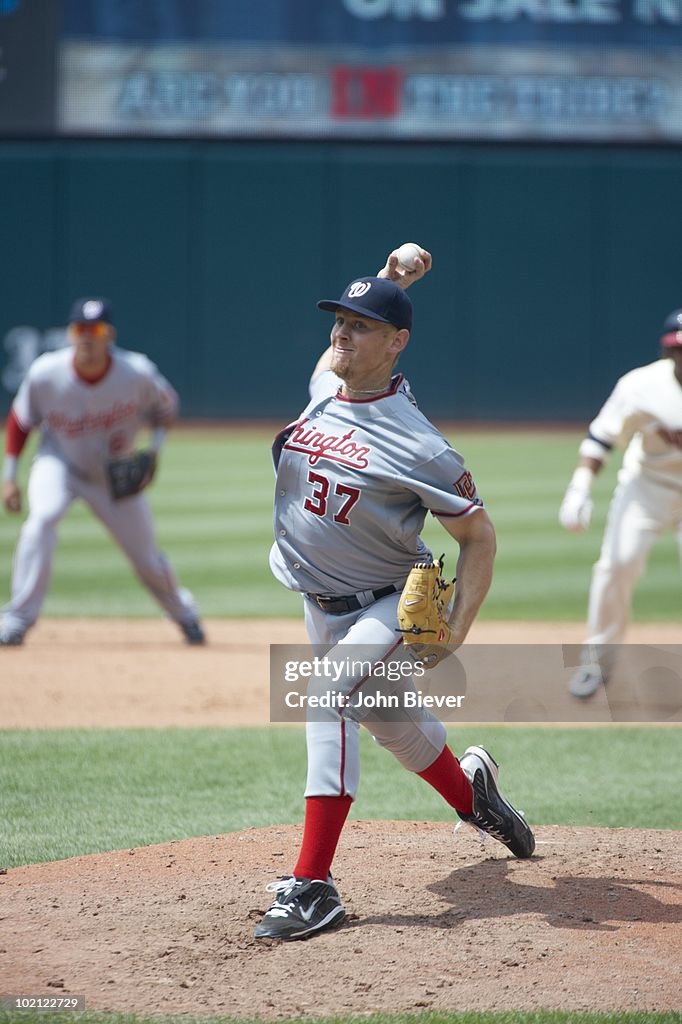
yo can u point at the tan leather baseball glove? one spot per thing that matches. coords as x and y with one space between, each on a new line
423 612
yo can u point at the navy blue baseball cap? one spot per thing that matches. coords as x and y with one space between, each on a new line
377 298
672 330
85 311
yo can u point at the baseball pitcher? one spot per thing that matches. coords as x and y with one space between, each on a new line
357 473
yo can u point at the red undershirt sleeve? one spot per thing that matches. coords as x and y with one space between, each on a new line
15 435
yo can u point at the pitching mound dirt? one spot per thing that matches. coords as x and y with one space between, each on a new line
435 921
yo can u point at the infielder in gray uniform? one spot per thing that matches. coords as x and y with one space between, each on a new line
356 475
89 400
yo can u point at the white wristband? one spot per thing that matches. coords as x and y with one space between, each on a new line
158 437
591 449
582 479
9 469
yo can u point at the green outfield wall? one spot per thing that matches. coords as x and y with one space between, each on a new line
553 267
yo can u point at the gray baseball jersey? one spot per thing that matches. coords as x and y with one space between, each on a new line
376 465
84 424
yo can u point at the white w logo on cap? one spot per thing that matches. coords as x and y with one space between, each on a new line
358 289
92 309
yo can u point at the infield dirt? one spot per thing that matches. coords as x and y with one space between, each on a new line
435 920
117 673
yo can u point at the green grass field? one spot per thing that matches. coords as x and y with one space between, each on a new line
212 502
82 791
548 1017
71 792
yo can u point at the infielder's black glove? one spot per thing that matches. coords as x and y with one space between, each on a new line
130 474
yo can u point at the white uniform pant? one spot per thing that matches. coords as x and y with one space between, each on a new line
414 736
641 510
51 490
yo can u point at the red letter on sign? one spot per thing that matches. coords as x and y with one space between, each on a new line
366 92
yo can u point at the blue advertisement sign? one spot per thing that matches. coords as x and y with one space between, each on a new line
377 24
606 70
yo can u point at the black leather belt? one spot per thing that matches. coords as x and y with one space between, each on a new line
339 605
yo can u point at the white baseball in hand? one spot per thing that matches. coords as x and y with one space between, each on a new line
408 254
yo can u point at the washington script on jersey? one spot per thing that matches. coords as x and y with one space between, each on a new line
87 423
317 445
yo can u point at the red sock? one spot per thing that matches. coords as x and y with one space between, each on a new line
325 817
448 779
